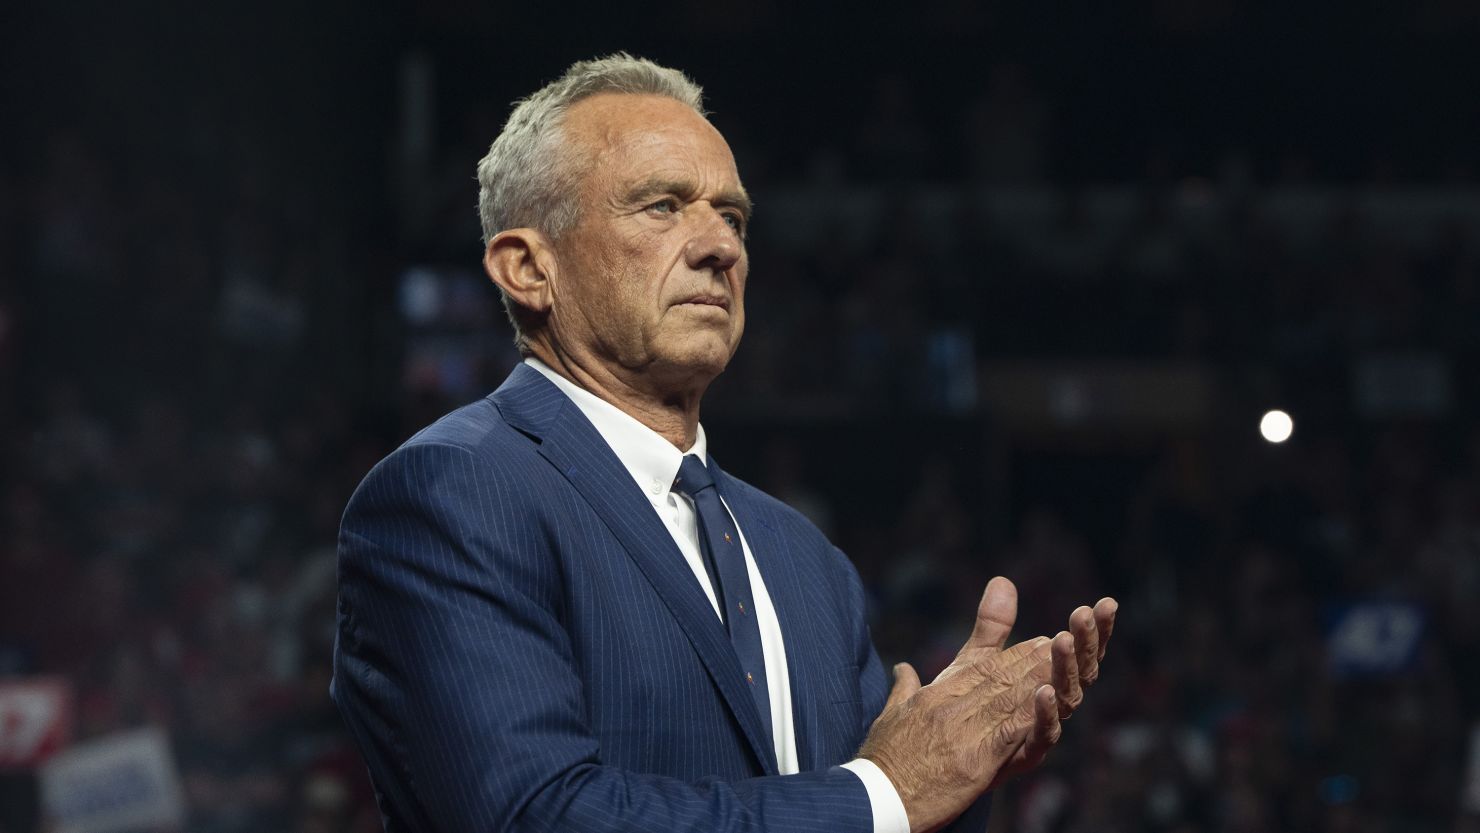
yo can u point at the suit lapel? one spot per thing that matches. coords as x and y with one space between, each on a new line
576 449
793 611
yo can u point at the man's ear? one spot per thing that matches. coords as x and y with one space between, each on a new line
522 262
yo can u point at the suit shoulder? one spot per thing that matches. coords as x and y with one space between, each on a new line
471 447
476 426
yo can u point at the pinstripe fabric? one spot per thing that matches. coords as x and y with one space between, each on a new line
522 647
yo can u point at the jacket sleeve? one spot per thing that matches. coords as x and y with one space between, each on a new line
455 674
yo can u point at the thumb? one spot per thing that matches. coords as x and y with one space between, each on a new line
995 615
906 683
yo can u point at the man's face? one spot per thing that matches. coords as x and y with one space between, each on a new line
652 278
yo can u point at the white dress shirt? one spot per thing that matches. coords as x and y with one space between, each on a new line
653 463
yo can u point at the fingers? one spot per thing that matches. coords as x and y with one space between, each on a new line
1071 659
1046 729
995 615
1025 650
1020 669
1037 725
906 683
991 682
1029 660
1016 712
1105 610
1066 675
1086 644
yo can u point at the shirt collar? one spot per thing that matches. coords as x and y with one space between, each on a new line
651 460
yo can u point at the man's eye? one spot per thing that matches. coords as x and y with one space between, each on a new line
664 206
736 222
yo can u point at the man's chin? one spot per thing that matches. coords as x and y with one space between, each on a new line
694 362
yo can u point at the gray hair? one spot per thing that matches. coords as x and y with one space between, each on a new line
527 180
529 177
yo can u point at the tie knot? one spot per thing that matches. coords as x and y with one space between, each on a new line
693 476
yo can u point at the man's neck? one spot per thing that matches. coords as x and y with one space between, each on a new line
673 416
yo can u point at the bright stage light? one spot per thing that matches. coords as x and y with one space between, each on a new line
1276 426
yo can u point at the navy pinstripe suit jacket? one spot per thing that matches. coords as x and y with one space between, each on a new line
522 647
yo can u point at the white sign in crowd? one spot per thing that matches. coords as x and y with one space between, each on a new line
123 782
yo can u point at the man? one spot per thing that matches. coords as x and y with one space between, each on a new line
558 613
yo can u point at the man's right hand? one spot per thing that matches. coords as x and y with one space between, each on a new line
944 744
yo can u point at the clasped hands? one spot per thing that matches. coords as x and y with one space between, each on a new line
992 713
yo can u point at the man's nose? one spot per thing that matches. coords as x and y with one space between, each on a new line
714 244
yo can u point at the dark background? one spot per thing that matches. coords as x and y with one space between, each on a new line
1024 277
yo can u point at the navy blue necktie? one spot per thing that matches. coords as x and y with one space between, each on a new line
720 543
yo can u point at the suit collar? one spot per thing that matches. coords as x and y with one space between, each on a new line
529 402
649 458
533 404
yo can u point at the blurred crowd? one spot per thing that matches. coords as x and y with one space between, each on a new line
177 450
171 487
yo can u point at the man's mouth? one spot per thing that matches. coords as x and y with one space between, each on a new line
708 301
